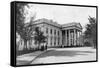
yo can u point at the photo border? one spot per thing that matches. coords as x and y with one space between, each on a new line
13 33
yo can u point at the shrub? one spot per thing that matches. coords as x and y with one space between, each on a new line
87 44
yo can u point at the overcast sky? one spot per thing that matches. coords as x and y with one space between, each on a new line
62 14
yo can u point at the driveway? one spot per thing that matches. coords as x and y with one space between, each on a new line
58 55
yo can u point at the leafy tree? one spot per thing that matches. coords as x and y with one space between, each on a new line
27 34
20 17
91 29
25 30
39 37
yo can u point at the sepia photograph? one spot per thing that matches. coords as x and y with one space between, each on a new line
54 33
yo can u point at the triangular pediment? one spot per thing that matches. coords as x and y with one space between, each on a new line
73 24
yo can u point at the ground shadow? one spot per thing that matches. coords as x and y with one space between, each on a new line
64 53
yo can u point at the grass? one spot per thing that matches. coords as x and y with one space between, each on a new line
29 51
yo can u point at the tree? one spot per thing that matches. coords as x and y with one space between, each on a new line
25 30
20 17
27 34
91 29
39 37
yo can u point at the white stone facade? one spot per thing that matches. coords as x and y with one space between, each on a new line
58 35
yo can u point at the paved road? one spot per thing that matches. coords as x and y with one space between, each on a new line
58 55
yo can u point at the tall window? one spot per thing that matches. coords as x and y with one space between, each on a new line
54 40
51 41
51 31
58 40
55 32
58 33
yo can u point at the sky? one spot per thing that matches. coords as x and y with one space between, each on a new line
61 14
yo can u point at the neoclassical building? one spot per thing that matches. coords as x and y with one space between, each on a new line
57 35
60 35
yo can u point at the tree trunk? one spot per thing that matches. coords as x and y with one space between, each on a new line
25 44
30 44
38 45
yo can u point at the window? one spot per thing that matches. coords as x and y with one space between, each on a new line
51 41
58 33
55 32
58 40
51 31
55 41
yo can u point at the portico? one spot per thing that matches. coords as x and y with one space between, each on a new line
71 34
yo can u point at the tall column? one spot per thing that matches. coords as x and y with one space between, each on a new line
69 37
60 37
74 37
79 37
66 37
